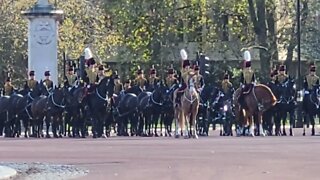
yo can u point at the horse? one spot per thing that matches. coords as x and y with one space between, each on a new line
126 108
75 113
227 118
311 108
286 104
167 114
188 110
98 101
257 100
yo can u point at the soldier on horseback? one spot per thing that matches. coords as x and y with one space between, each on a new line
226 86
199 81
127 85
47 82
100 74
310 81
31 83
8 87
118 87
170 80
186 72
71 77
140 80
153 79
282 76
247 80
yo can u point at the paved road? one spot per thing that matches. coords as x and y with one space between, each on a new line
167 158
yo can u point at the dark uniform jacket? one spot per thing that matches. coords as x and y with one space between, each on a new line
247 77
48 83
153 81
91 76
281 78
310 81
171 81
8 89
141 82
118 88
31 83
71 79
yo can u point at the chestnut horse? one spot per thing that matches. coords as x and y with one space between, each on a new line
258 100
188 110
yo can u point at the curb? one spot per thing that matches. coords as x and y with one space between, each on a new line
7 172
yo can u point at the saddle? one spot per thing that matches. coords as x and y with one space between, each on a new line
247 89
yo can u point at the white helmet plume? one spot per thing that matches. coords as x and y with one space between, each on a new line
247 56
183 54
87 53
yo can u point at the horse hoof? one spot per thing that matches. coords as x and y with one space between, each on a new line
252 135
303 134
48 136
60 136
195 137
26 136
170 135
186 137
177 136
156 135
55 136
262 134
291 134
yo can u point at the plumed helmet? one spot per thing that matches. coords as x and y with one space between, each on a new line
185 63
226 76
153 70
183 54
31 73
313 68
70 68
247 59
282 68
128 81
171 71
87 54
139 71
196 68
101 68
47 73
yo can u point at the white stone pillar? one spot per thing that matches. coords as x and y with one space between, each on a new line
43 39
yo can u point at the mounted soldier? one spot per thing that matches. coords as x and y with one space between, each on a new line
47 82
8 87
118 85
199 81
31 83
171 81
226 86
186 72
248 79
282 76
71 77
140 80
153 79
310 81
90 72
127 85
100 75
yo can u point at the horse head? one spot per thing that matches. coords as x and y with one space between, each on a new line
288 90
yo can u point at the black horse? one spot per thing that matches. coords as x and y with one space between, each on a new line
74 116
98 101
311 108
167 114
286 104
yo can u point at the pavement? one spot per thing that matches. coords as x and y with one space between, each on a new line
167 158
7 172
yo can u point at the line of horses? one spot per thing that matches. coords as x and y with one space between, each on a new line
72 111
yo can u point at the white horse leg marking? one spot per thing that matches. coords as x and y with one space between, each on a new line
261 130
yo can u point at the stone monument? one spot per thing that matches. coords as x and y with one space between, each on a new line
43 25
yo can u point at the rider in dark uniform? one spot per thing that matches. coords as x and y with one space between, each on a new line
153 79
31 83
71 77
171 80
118 86
199 81
8 87
100 75
282 76
310 81
247 78
226 86
186 72
127 85
47 82
140 80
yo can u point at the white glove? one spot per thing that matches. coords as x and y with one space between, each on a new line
306 92
88 86
242 86
180 85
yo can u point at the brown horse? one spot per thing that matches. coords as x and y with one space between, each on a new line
258 100
187 111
